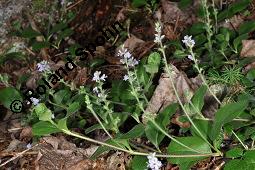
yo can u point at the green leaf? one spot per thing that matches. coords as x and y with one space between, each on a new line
139 163
154 58
101 149
200 39
164 116
238 41
180 54
39 45
163 119
198 98
43 112
58 27
193 142
202 125
143 77
249 156
234 153
92 128
44 128
226 114
62 124
73 107
139 3
11 56
135 132
233 9
29 33
153 63
66 33
96 62
8 95
247 27
197 28
238 164
153 134
152 69
62 96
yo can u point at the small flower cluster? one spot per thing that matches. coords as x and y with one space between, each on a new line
99 78
35 101
126 58
153 162
101 93
188 41
158 36
43 66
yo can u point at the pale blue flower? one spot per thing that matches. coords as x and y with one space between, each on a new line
153 162
188 41
125 78
35 101
43 66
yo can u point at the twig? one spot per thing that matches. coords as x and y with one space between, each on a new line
73 5
17 156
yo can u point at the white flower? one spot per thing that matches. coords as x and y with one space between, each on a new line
97 77
153 162
125 78
126 58
95 89
227 21
35 101
188 41
158 27
52 116
103 77
122 52
190 57
158 36
43 66
29 146
132 62
127 55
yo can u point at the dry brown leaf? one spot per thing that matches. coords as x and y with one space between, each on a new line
132 42
175 120
164 93
233 23
53 141
173 15
248 49
26 134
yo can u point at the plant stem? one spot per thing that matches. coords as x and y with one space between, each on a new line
202 77
89 106
172 138
178 98
245 146
135 152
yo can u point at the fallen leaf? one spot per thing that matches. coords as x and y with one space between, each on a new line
26 134
232 23
248 49
132 42
164 93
